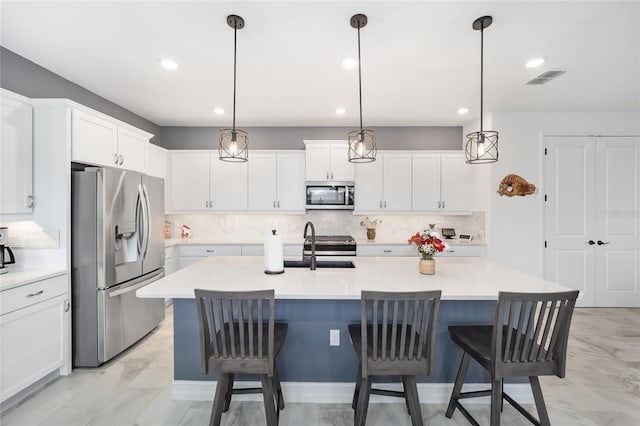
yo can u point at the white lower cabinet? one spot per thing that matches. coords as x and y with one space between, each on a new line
170 261
34 330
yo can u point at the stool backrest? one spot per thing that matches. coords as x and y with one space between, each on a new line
232 326
402 326
532 328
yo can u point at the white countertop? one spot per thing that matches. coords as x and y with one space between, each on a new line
17 277
459 278
209 241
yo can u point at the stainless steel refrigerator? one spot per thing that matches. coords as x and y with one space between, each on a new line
117 248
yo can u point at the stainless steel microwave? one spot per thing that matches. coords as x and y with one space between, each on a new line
330 195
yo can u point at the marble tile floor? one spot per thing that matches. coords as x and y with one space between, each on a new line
602 387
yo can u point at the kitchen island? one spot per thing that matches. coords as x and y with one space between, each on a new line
314 302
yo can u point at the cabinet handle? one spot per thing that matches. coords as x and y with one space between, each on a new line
601 243
37 293
67 305
30 201
210 251
115 158
385 204
439 204
278 204
121 160
387 251
380 204
591 242
327 175
331 175
206 204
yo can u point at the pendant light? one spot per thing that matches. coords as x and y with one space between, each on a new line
362 143
233 143
482 146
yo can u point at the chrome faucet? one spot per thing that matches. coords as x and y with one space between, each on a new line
313 243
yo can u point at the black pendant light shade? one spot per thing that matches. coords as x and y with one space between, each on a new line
482 146
233 144
362 143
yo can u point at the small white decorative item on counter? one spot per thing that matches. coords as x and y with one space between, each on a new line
370 224
186 232
273 254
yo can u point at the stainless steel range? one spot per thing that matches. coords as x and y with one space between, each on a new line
331 245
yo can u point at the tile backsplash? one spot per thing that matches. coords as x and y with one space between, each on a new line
246 227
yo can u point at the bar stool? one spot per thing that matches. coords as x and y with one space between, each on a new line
396 337
238 335
528 338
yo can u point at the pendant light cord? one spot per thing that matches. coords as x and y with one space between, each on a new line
481 73
360 80
235 43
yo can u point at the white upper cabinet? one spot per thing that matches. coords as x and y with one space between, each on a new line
385 184
276 182
441 182
189 181
199 181
228 187
100 140
158 161
16 154
327 161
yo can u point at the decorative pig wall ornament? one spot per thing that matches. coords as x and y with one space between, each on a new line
515 185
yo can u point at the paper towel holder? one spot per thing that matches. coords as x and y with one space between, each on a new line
266 271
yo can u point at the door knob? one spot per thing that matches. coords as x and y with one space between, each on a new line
591 242
601 243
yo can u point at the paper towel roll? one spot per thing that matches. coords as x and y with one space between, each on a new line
273 254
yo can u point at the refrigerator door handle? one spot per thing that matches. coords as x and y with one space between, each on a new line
139 220
146 220
134 287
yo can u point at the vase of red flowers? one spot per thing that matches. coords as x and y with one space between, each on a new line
427 243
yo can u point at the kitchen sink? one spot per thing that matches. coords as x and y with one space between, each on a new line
319 264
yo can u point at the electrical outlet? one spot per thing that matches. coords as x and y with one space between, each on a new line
334 337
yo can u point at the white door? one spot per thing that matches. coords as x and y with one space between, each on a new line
341 169
263 181
396 181
570 215
133 150
368 190
617 221
455 183
94 140
189 181
16 155
592 218
291 185
317 162
425 184
228 184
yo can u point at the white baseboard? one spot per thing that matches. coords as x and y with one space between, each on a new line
342 393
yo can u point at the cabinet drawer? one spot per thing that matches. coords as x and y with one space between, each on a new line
386 250
214 250
293 250
26 295
169 253
253 250
461 251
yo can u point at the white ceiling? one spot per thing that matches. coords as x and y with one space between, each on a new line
420 59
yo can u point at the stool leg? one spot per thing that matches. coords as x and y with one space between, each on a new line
411 395
269 405
227 399
457 388
539 399
278 387
354 403
360 417
496 396
218 400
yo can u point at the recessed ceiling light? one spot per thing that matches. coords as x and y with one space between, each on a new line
218 110
535 62
340 111
349 63
169 64
463 110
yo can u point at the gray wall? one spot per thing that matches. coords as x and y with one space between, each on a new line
29 79
292 137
